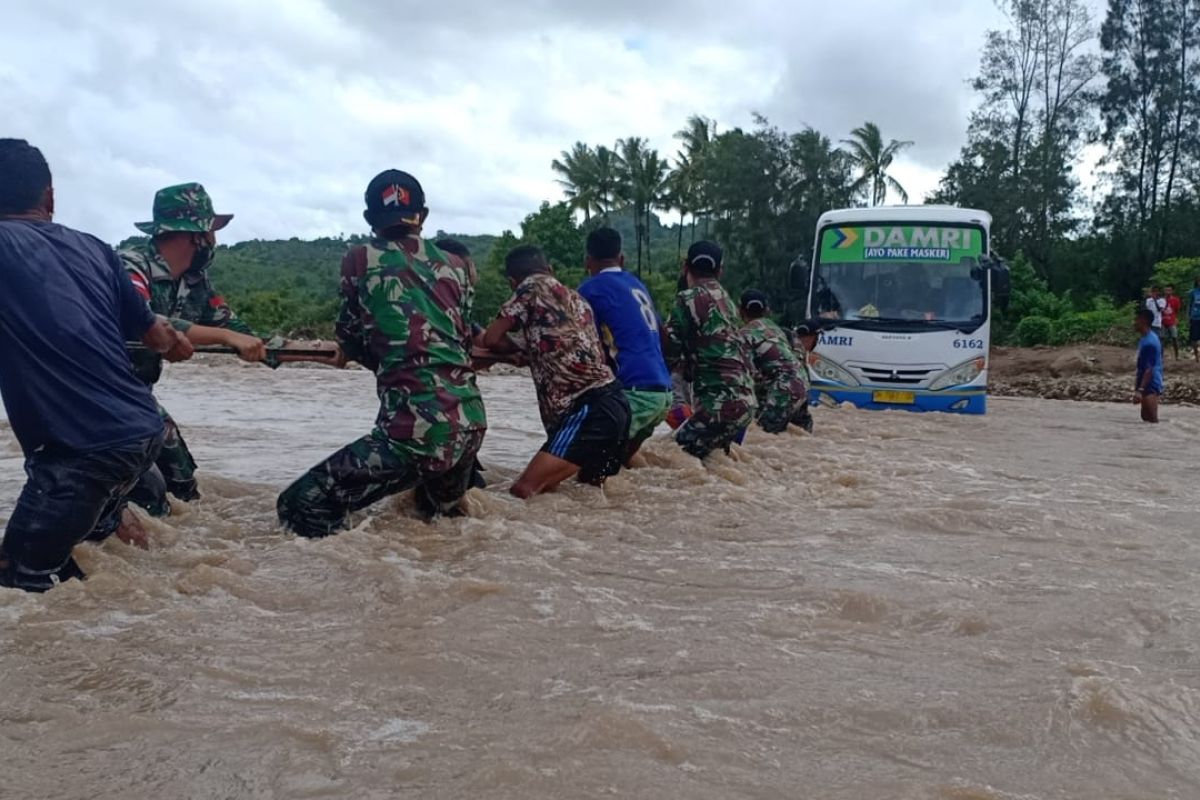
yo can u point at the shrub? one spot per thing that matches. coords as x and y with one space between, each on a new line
1034 331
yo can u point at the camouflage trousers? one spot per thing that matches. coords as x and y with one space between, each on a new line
705 431
173 471
372 468
779 403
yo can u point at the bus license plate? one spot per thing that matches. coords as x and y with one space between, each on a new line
898 398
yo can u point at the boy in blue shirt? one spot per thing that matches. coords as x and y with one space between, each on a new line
631 333
1149 386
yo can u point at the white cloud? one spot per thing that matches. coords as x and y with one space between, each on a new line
286 108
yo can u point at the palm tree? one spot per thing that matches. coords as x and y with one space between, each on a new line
873 159
605 179
697 137
679 193
578 168
653 189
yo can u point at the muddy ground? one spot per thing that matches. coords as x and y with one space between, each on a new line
1086 372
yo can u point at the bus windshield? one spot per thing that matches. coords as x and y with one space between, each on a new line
901 276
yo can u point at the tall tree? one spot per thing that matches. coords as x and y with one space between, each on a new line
873 159
643 186
1150 111
578 172
1036 81
696 137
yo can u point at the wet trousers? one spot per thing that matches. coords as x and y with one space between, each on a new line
372 468
69 497
173 471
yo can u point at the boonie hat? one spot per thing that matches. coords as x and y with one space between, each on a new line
185 208
705 254
393 197
752 298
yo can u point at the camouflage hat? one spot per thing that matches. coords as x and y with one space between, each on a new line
187 208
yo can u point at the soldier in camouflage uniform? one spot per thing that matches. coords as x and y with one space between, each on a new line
779 384
804 340
405 314
170 270
704 333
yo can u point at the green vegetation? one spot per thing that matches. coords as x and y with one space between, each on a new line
1050 83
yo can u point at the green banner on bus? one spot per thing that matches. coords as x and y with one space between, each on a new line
927 243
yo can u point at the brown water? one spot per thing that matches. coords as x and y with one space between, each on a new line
903 606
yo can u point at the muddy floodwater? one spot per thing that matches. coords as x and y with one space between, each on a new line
902 606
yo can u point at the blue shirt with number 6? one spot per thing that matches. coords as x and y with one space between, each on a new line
629 328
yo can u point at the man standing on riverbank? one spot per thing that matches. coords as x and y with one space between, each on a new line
87 426
631 333
1194 318
1149 386
406 315
1155 305
705 335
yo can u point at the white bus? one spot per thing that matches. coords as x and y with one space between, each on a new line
906 296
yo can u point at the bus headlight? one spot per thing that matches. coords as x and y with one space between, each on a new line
957 376
831 371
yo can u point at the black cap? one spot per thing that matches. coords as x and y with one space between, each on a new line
705 255
752 298
810 327
393 198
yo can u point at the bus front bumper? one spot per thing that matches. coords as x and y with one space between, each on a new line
960 401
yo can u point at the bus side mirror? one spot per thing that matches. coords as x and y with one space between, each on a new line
798 278
1001 284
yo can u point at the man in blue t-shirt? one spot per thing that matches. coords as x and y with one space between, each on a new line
631 332
1149 385
87 426
1193 304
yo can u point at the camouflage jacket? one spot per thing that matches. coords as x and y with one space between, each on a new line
777 369
405 314
187 301
560 338
704 333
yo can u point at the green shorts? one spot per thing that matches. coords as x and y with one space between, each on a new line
647 410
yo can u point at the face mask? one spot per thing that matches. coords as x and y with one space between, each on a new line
202 258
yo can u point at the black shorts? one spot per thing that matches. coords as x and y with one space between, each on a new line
1194 331
594 433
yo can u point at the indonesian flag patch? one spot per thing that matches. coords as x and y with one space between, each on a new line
139 283
395 196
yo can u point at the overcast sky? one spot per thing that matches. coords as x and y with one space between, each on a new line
285 109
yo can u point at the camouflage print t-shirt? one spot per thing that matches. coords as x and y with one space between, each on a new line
561 342
405 314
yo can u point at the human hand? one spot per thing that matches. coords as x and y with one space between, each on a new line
249 348
181 348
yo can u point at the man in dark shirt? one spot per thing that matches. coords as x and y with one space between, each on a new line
87 426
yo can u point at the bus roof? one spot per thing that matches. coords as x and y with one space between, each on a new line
914 214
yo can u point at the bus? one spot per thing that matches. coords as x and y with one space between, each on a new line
905 296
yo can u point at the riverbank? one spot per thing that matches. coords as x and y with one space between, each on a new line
1085 372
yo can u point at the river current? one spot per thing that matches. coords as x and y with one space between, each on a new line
901 606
